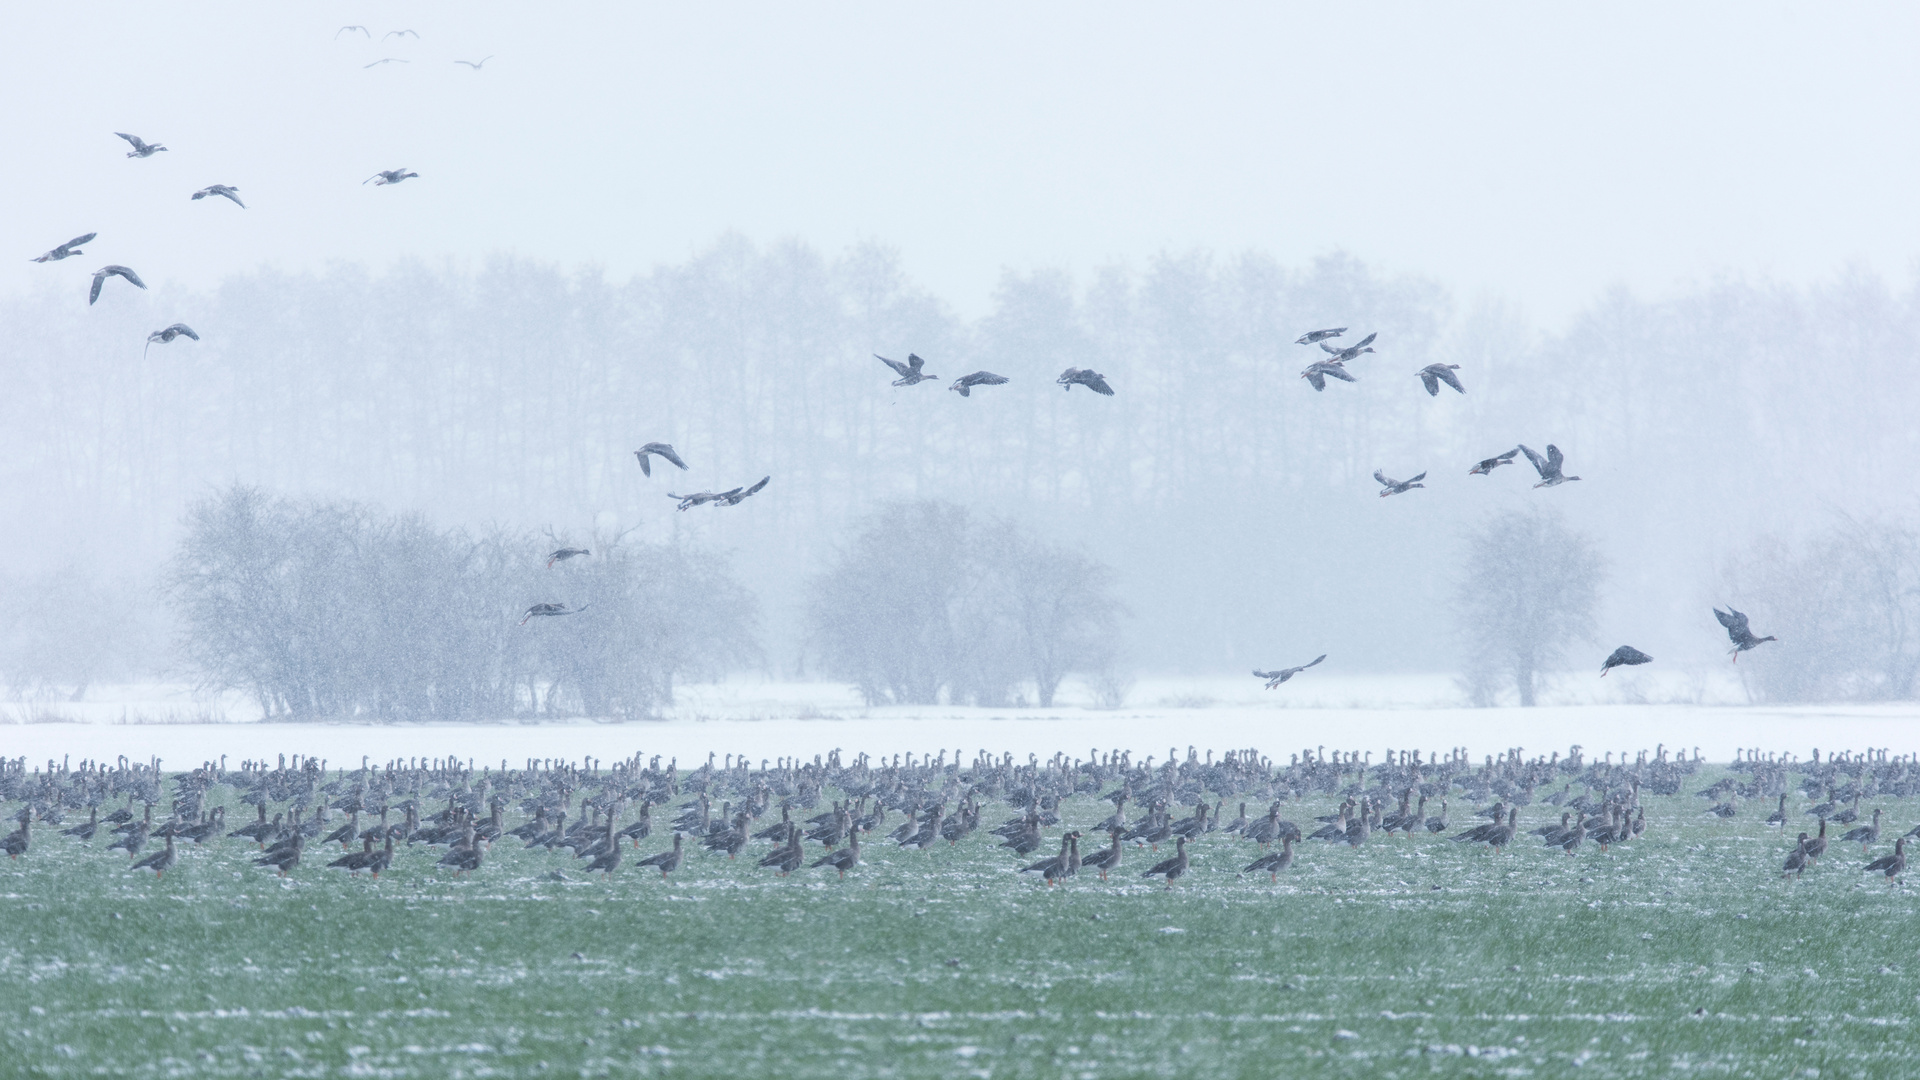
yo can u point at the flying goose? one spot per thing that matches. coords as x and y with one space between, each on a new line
71 247
166 336
476 64
1489 464
1390 486
223 190
1435 374
910 372
344 29
966 383
141 148
665 450
388 176
1313 336
1351 352
1548 467
1317 373
101 275
1738 632
1275 678
564 554
550 610
399 33
1624 656
1086 377
385 60
688 502
739 495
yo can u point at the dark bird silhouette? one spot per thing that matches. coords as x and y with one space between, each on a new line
564 554
665 450
669 860
842 859
1318 373
476 64
161 861
1797 859
739 495
388 176
344 29
385 60
910 372
71 247
539 610
1351 352
223 190
1548 467
1171 868
1625 655
1086 377
1435 374
966 383
1890 865
1275 678
166 336
1489 464
1391 486
1737 631
101 275
1314 336
399 33
141 148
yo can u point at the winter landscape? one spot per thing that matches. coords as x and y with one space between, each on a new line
854 541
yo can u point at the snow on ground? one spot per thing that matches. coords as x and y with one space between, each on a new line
765 719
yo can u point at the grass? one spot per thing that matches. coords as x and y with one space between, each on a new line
1679 954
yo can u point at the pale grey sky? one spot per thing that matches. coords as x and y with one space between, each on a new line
1540 153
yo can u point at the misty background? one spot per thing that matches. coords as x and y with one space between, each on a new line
1684 257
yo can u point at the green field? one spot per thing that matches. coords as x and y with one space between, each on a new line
1682 953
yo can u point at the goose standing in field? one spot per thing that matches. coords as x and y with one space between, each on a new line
160 861
464 856
389 176
17 841
911 373
1049 867
101 275
1797 859
381 859
1779 817
1817 846
1319 372
550 611
66 250
355 861
141 148
1351 352
565 553
1738 631
1107 859
841 859
224 191
1548 467
1866 835
1391 486
1086 377
1487 465
135 836
664 451
166 336
284 859
1435 374
786 858
1275 678
739 495
1314 337
1170 869
668 861
1438 822
1273 862
1624 656
608 860
1890 865
87 828
964 384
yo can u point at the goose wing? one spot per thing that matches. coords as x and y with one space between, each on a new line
1384 481
1432 383
903 370
1445 373
1540 464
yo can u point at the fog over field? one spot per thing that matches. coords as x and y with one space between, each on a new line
1679 251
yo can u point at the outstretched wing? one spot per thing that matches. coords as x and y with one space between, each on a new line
1447 376
1539 463
1554 457
1330 349
1365 341
183 328
78 240
903 370
134 139
1338 372
1734 621
1382 477
645 469
666 451
1416 479
1432 384
914 362
1312 662
99 279
1099 385
988 378
1509 455
1313 376
1266 674
758 486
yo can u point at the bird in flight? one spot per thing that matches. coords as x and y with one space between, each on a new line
1317 373
385 60
1624 656
1351 352
166 336
564 554
910 372
1737 631
966 383
141 148
1315 336
665 450
1435 374
688 502
399 33
1488 465
71 247
101 275
345 29
1548 467
1086 377
388 176
1391 486
1275 678
540 610
739 495
221 190
476 64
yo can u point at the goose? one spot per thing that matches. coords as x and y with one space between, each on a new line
550 610
87 828
1499 836
1049 867
1779 817
1438 822
842 859
1273 862
141 148
1624 656
1817 846
135 836
1890 865
1086 377
355 861
101 275
664 451
1171 868
1487 465
385 60
1238 823
1390 486
166 336
464 856
399 33
284 859
224 191
1738 632
608 860
381 859
564 554
17 841
1107 859
1313 337
965 384
389 176
70 248
1797 859
159 862
698 498
1866 835
786 858
738 495
1275 678
668 861
1351 352
1548 467
1851 814
476 64
345 29
1435 374
1318 373
929 833
910 372
1359 829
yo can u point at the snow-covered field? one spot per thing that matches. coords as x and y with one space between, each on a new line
767 719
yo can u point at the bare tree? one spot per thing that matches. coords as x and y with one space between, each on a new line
1530 590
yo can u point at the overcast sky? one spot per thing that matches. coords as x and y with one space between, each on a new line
1540 153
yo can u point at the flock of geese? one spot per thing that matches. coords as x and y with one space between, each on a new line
773 813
